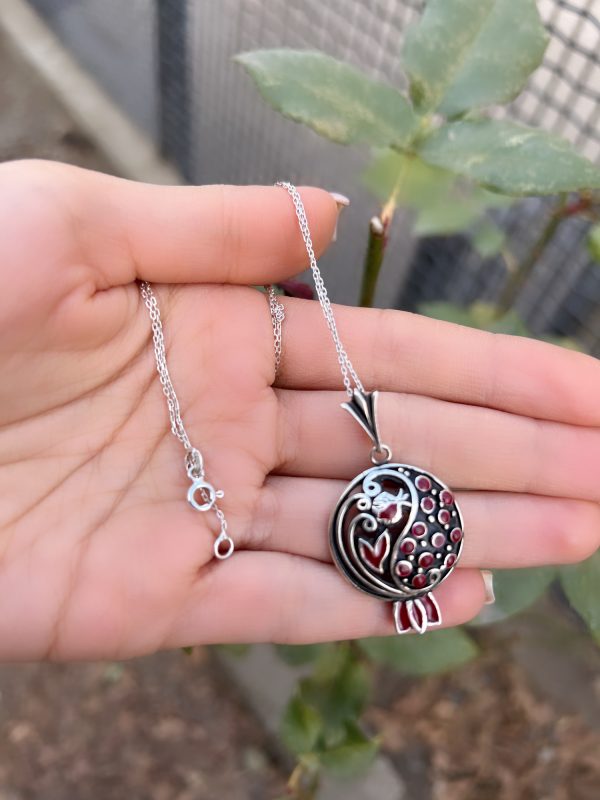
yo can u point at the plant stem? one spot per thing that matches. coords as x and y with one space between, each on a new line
523 270
373 260
304 781
378 237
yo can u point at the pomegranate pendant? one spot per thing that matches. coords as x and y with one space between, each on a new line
396 531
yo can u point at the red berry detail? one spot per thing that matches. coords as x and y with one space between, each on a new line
419 529
426 560
456 535
438 540
408 546
427 504
423 483
450 560
444 516
404 568
419 581
446 497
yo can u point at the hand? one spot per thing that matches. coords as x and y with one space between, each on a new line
101 555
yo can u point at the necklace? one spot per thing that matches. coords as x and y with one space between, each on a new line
201 495
396 532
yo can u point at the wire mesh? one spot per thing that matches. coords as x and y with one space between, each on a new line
177 78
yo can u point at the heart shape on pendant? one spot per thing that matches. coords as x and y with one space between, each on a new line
375 554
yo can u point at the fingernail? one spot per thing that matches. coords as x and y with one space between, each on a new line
341 202
488 582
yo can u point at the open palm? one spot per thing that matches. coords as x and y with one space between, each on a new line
101 555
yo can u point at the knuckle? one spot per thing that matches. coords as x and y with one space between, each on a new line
284 628
261 527
388 322
230 231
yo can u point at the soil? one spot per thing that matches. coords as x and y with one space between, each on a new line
161 728
519 723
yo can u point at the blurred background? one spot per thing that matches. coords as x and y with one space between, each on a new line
521 722
168 64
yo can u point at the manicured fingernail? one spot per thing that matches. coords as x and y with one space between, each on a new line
341 202
488 582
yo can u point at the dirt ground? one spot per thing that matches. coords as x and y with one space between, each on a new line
170 727
161 728
489 732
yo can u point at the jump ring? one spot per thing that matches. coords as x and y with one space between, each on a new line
223 539
381 454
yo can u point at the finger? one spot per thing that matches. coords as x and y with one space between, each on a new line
398 351
189 234
274 597
467 446
501 530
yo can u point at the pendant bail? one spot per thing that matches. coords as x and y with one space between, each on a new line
363 407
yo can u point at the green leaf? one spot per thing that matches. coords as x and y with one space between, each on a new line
581 583
297 654
336 100
488 238
301 726
338 696
515 590
443 203
411 180
593 242
466 54
433 652
352 756
509 158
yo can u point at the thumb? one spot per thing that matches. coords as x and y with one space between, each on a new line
193 234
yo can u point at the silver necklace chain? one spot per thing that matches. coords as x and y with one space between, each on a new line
351 379
194 463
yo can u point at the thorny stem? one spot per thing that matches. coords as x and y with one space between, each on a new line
377 242
523 270
373 260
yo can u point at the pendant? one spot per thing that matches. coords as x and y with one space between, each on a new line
396 532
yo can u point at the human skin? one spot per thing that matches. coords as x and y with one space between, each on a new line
100 554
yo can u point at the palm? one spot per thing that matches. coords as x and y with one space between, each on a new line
111 480
101 554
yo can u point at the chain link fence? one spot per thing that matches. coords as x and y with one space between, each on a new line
168 63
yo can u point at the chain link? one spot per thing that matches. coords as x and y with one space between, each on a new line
160 355
351 379
194 463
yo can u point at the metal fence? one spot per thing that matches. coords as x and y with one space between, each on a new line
169 64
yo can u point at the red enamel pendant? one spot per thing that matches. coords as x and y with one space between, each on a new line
396 532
